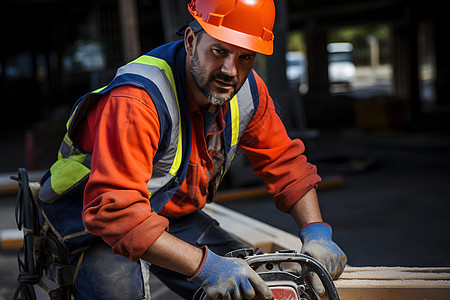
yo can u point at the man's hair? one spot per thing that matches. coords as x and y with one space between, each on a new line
199 36
194 25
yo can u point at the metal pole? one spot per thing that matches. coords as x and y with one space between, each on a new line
130 29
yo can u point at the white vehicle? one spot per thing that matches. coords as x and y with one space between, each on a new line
341 69
297 70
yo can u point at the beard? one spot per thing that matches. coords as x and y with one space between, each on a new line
205 83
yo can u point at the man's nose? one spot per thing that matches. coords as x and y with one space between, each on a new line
229 66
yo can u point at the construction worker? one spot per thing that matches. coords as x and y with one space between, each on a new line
144 154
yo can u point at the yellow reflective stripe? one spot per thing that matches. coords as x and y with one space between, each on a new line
234 106
76 108
71 117
177 161
75 112
162 64
66 141
66 172
99 89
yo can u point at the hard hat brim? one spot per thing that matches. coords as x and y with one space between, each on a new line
246 41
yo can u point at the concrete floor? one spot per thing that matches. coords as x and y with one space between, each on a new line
392 209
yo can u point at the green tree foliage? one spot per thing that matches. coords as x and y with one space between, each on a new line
357 35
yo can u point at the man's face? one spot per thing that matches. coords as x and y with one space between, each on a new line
219 69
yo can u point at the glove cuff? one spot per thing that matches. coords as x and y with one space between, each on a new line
313 223
205 255
315 230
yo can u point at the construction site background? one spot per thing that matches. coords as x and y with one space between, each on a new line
381 143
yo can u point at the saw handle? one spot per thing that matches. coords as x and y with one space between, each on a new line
273 261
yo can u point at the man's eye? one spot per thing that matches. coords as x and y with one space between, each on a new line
219 51
247 57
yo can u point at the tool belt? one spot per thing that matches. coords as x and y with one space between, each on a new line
43 253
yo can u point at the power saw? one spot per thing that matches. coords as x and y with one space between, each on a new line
285 273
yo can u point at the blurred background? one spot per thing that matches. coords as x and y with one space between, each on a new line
364 84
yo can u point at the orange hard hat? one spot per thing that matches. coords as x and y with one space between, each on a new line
243 23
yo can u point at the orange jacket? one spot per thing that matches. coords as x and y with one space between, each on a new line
122 131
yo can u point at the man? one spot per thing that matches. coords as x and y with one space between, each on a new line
146 152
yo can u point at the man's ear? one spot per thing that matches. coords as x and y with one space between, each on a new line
189 40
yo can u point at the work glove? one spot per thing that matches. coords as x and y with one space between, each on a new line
317 243
229 278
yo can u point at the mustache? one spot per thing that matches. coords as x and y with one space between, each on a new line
225 78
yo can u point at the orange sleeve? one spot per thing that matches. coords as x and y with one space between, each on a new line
124 129
277 159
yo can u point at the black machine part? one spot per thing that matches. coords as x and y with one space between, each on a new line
27 219
42 251
286 270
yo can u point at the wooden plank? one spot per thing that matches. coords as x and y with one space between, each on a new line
253 232
375 283
396 273
11 239
261 191
367 293
10 187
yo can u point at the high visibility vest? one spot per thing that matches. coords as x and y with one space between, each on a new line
161 74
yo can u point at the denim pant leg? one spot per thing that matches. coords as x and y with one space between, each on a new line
105 275
197 229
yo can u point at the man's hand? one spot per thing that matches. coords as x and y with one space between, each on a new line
229 278
317 243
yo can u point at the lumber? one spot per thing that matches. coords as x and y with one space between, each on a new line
261 191
11 239
251 231
394 283
235 194
10 187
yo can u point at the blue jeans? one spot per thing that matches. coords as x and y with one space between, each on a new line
104 275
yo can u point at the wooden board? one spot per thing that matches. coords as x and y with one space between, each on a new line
11 240
251 231
394 283
261 191
10 187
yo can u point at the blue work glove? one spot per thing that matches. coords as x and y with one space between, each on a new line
317 243
229 278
